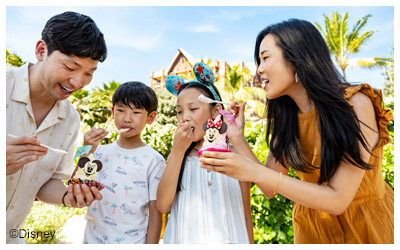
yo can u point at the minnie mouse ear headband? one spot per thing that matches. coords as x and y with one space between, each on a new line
204 75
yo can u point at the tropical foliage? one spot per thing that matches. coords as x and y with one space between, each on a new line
13 59
343 42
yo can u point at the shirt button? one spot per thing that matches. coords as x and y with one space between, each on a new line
209 183
12 206
11 178
208 171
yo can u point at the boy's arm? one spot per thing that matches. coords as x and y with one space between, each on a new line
93 137
155 224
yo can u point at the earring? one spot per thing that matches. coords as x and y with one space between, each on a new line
296 77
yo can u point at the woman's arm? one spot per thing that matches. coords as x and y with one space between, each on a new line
245 190
155 224
333 198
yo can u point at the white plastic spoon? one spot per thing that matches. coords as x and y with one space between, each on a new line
205 99
119 131
58 151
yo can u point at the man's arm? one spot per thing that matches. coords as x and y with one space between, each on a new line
155 224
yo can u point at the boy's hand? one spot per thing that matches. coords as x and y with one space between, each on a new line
93 137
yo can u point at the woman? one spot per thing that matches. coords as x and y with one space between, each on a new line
331 133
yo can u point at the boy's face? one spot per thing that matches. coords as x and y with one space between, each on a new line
60 74
133 119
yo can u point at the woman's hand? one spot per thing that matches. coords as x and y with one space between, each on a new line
231 164
93 137
234 132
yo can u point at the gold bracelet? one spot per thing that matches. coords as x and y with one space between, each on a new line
280 180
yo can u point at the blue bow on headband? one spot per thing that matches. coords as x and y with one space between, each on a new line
204 75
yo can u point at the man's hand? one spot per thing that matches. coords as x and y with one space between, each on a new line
22 150
91 194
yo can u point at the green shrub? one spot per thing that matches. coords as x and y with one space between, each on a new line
48 218
388 162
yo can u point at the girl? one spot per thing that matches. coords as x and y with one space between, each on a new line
206 207
331 133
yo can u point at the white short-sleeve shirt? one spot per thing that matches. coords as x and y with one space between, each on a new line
131 177
59 130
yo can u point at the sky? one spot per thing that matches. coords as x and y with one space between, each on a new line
141 39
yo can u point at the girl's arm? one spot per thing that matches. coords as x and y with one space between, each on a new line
167 187
333 198
155 224
245 190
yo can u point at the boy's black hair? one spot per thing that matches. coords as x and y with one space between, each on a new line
137 94
75 34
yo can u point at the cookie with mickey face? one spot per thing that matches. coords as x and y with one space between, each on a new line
85 172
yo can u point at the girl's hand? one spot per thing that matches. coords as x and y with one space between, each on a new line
93 137
230 164
183 137
234 132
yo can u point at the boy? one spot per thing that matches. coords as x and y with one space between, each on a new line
38 111
131 172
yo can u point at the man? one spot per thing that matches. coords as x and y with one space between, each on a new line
38 111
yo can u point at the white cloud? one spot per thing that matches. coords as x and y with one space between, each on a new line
210 28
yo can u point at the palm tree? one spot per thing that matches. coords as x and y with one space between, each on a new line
235 80
343 42
389 75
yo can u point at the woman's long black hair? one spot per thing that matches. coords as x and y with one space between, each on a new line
208 94
303 46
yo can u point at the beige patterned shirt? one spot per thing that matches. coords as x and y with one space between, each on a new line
59 130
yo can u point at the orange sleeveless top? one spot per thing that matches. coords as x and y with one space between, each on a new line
370 216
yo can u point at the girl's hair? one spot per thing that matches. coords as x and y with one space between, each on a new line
207 93
304 47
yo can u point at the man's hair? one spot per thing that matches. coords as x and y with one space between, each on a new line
74 34
137 94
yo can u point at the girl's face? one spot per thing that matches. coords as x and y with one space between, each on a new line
275 72
191 110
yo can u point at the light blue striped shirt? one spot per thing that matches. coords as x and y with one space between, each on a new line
208 209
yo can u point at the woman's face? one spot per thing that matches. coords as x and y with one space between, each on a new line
276 74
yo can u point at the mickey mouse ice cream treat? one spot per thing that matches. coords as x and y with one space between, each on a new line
215 138
85 173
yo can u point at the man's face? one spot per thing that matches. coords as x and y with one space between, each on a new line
61 75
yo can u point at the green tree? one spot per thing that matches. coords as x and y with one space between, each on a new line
13 59
389 76
342 42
